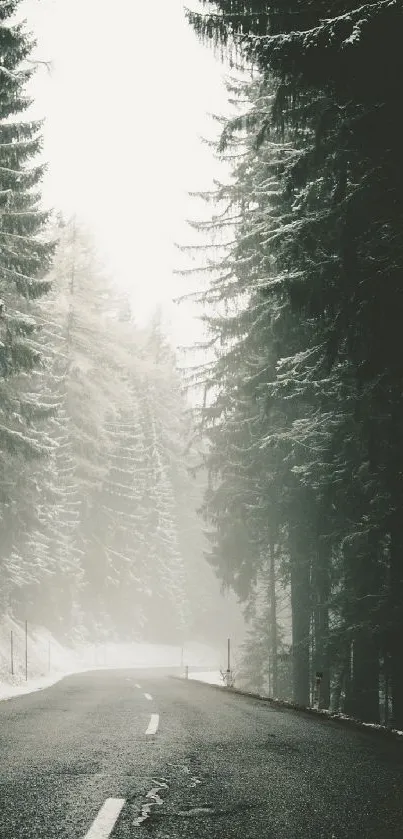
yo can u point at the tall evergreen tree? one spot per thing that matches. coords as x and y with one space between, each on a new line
24 262
337 255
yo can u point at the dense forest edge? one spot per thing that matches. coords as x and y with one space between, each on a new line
303 411
288 476
100 539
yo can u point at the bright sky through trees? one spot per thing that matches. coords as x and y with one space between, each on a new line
126 103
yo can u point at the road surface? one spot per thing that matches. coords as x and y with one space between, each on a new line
134 754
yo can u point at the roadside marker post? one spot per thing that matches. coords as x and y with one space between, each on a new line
228 679
318 681
26 651
12 653
228 675
186 671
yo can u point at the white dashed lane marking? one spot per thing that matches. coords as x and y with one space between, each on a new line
148 696
153 724
137 686
106 819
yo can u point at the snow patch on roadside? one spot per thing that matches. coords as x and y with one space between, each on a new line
49 661
8 691
211 677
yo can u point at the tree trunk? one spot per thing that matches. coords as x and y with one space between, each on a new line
348 704
273 620
300 608
321 585
365 583
396 624
336 705
365 687
386 688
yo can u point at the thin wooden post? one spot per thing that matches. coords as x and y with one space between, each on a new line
26 651
228 675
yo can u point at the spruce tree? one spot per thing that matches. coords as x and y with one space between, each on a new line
24 263
337 256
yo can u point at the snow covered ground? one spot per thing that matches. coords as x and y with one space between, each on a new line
211 677
49 661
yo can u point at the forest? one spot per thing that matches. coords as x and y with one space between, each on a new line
100 537
119 496
304 398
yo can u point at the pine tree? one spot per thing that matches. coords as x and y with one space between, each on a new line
340 234
87 363
137 543
122 532
24 262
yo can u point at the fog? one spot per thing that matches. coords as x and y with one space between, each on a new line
201 418
102 537
122 137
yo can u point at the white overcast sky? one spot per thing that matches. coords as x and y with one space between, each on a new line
125 105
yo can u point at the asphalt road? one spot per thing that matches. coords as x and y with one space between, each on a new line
76 763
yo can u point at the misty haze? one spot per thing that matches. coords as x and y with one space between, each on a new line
201 431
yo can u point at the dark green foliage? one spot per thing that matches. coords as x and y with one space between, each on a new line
308 420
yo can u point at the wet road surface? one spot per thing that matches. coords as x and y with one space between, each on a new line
134 754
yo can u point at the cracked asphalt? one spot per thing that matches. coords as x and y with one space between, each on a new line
219 765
